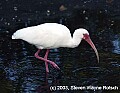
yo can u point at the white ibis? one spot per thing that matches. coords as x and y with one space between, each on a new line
52 35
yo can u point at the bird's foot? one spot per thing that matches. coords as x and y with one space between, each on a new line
54 65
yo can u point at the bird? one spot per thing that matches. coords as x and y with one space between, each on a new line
50 36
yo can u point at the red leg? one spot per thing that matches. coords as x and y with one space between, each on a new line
46 64
51 62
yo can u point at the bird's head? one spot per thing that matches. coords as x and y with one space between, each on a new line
84 34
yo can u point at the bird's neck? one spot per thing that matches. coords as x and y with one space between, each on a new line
75 40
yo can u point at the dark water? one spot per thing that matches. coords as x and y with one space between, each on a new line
21 72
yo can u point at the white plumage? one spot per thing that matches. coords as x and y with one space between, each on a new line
49 35
52 35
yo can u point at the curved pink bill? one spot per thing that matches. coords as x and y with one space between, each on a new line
87 38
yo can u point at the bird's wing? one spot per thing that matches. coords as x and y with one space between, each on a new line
47 35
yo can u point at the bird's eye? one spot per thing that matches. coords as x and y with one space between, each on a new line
85 36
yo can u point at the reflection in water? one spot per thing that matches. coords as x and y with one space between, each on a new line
49 81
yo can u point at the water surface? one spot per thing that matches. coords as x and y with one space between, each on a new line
21 72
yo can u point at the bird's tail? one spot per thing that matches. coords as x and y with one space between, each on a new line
13 37
19 34
16 35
